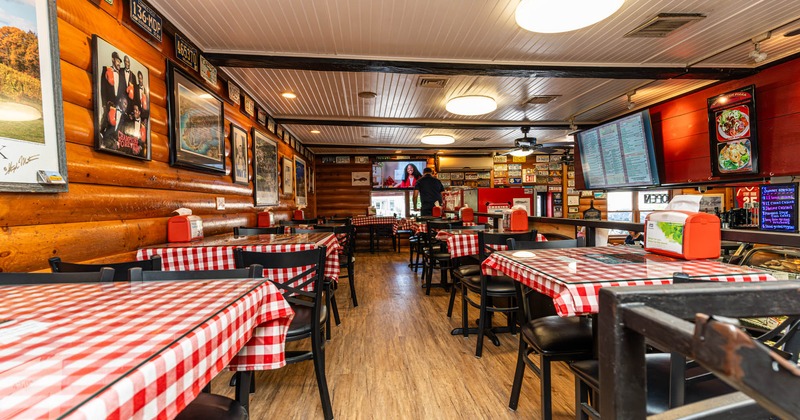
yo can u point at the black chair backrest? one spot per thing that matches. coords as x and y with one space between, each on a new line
476 227
103 275
324 228
120 269
344 220
552 236
255 271
300 230
312 262
347 238
487 241
251 231
564 243
292 222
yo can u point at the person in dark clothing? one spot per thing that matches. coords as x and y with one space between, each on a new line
430 191
634 237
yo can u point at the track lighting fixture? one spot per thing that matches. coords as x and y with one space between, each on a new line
757 55
631 104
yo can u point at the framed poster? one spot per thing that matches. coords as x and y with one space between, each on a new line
196 124
362 159
234 94
239 145
732 131
271 125
32 145
288 176
262 117
121 102
360 179
573 200
265 169
249 106
300 181
279 132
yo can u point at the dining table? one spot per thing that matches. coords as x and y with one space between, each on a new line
373 224
216 252
573 277
464 242
130 350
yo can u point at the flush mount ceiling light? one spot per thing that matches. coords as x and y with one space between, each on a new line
548 16
438 139
521 152
314 131
288 95
471 105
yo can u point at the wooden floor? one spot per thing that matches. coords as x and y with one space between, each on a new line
393 357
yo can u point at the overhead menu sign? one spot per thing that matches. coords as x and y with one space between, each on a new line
778 207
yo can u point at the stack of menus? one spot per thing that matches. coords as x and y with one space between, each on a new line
732 131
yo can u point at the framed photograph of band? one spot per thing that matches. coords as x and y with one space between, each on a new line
265 169
732 131
121 102
300 181
32 145
196 124
240 170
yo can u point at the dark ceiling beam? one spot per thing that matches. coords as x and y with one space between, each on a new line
470 69
556 125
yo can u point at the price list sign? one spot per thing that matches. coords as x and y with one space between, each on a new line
778 207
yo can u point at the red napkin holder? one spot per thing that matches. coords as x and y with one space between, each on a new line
298 215
466 214
264 219
184 228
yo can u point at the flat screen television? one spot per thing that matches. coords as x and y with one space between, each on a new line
397 174
619 154
777 207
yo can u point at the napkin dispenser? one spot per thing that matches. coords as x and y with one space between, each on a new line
299 215
184 228
264 219
682 234
466 214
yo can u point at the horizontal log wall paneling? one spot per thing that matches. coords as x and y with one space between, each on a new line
116 205
336 196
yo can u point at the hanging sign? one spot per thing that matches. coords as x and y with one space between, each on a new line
146 18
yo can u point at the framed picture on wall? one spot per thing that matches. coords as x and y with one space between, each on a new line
288 176
249 106
33 148
239 145
196 124
271 126
279 132
262 116
234 94
265 169
121 102
301 197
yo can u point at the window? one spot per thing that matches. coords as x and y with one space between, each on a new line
389 203
634 206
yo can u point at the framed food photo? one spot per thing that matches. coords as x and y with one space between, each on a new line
196 124
121 102
32 145
240 170
732 132
287 173
265 169
301 198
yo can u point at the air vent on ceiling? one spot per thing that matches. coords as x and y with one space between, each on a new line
430 82
663 24
541 99
479 139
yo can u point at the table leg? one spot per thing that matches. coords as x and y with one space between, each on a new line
243 385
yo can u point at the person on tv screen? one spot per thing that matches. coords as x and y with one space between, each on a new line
410 176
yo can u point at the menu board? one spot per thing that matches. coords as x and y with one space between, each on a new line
619 153
732 131
778 207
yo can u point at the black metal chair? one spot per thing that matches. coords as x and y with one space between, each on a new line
255 271
208 406
342 220
103 275
309 307
304 230
463 267
120 269
252 231
551 337
490 289
434 253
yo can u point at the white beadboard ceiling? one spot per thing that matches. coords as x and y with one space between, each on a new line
474 32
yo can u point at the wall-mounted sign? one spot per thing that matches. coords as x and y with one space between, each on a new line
342 159
208 72
656 198
732 131
234 94
186 52
146 18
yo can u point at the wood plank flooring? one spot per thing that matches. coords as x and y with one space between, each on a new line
393 357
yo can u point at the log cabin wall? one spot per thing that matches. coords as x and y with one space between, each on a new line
115 204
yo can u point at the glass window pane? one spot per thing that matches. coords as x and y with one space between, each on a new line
389 203
653 200
620 201
620 216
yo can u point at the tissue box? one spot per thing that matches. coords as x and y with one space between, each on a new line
683 234
184 228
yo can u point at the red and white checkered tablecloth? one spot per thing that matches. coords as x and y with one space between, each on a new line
216 253
373 220
127 350
422 227
465 243
573 276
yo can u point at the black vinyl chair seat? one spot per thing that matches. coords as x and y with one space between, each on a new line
213 407
561 336
467 270
302 322
496 285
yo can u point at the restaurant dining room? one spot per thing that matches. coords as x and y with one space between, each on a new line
359 209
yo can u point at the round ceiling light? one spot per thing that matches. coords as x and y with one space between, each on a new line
547 16
438 139
521 152
314 131
471 105
367 95
289 95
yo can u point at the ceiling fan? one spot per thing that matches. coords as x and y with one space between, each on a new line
525 145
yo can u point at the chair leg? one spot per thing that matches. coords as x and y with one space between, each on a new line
335 310
544 376
243 389
464 311
330 310
481 327
581 398
319 370
452 298
352 278
519 374
429 270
